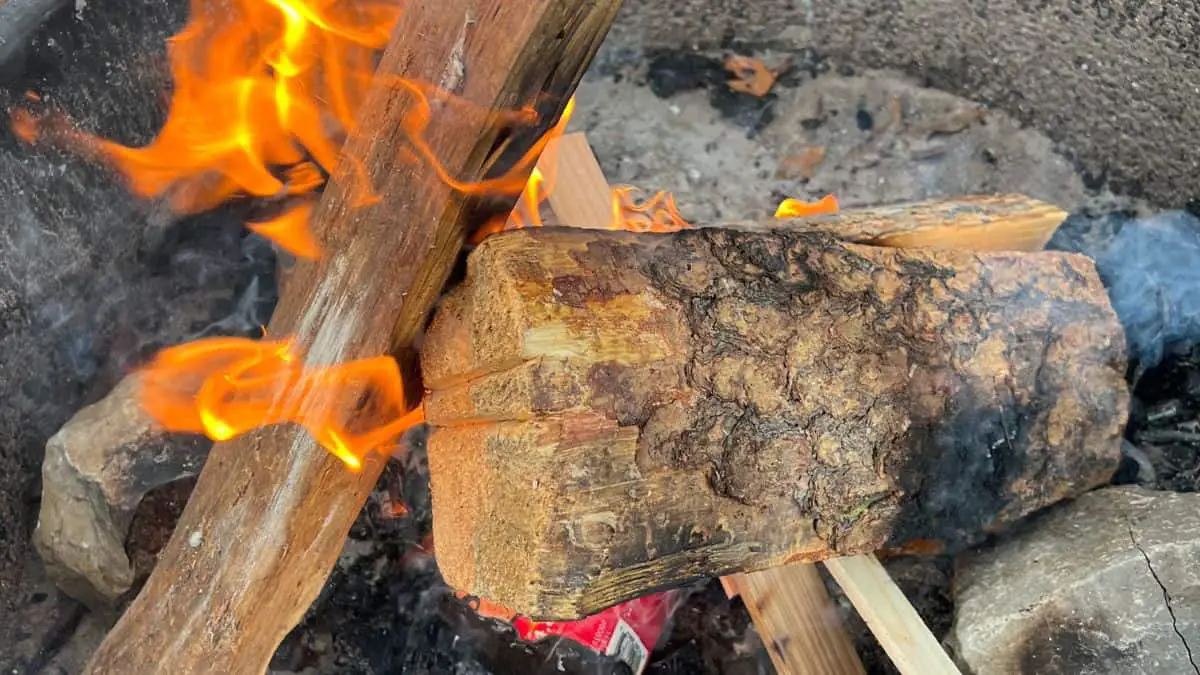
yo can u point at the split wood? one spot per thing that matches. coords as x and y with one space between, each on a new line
616 412
271 510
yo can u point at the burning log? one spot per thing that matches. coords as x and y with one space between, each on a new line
270 512
617 413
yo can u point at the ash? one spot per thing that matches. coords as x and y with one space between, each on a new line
93 281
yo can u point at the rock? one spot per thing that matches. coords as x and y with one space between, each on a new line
1107 584
97 468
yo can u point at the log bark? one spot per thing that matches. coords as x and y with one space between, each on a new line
789 604
271 510
618 413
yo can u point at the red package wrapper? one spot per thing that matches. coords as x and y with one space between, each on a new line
628 631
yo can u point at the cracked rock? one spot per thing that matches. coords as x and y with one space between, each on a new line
1109 583
96 471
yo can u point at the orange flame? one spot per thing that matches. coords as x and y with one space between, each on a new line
290 230
794 208
656 214
225 387
259 84
265 92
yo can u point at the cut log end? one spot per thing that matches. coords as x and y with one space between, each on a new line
643 410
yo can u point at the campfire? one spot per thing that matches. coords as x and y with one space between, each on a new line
576 422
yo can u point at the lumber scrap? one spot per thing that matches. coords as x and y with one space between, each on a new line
271 510
620 412
1008 222
798 622
891 617
579 194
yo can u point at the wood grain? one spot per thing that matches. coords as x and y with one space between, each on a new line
271 510
580 196
1007 222
798 622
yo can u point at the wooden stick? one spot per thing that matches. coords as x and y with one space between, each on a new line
797 620
580 196
911 646
975 223
791 609
271 510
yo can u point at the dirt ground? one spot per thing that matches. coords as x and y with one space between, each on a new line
660 120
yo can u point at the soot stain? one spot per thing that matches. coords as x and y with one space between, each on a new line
671 72
960 470
1066 644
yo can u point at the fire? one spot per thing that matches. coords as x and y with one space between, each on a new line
290 230
656 214
260 86
225 387
794 208
264 93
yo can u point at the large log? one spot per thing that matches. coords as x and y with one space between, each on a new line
271 510
617 413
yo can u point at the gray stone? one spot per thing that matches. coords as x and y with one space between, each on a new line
1107 584
97 469
1114 82
653 143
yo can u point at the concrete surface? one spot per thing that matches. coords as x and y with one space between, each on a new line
1116 82
920 143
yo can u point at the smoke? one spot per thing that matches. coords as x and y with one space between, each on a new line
1152 270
